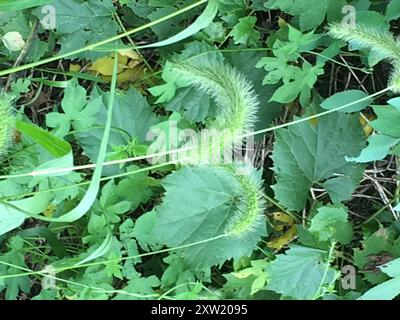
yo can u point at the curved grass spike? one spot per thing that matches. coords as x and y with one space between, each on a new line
375 39
234 95
251 207
237 105
7 124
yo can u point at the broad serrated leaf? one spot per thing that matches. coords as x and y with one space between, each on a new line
204 203
331 223
308 154
81 23
299 273
311 12
132 118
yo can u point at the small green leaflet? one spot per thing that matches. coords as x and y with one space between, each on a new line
388 118
11 263
347 97
301 81
78 112
297 79
244 33
331 223
140 287
393 10
378 148
387 290
379 145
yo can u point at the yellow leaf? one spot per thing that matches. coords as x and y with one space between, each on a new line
282 23
74 67
364 120
314 121
129 67
127 75
49 212
129 53
282 217
282 221
243 274
104 66
283 240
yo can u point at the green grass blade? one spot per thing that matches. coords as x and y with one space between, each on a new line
203 21
103 42
94 187
14 5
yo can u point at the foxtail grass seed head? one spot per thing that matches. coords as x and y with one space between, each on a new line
7 124
237 102
374 39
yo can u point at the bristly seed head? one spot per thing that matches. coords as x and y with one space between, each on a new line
7 124
374 39
237 102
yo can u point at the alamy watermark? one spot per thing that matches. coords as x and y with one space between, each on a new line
350 17
207 146
348 277
48 21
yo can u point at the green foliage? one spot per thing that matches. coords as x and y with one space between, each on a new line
331 223
309 154
300 273
375 39
244 33
77 112
310 13
297 80
227 206
10 5
82 23
132 116
85 193
388 136
7 124
347 97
